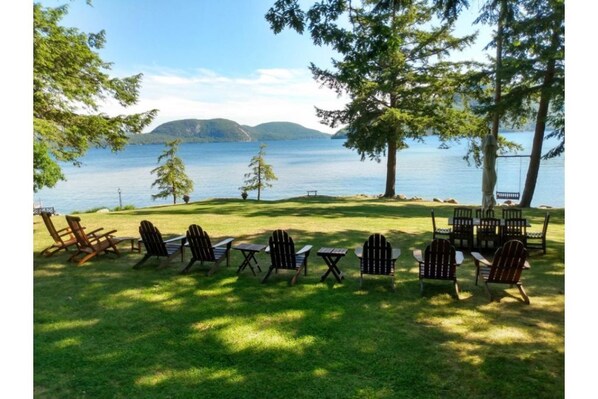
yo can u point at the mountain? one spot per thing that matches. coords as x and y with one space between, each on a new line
341 134
224 130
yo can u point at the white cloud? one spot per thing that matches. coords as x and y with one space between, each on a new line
266 95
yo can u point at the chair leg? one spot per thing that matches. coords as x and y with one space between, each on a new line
86 258
488 291
523 293
138 264
186 268
421 287
294 279
457 289
267 274
214 268
361 281
392 283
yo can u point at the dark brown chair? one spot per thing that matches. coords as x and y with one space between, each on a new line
202 249
488 232
91 244
439 262
537 240
462 234
63 238
283 256
158 247
512 213
506 267
377 257
439 232
461 212
514 229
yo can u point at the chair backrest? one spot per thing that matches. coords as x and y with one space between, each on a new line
152 239
508 263
433 221
489 226
377 256
515 229
512 213
439 261
462 212
199 242
282 250
46 216
462 227
484 213
74 223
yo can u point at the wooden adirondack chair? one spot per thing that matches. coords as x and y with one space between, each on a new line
202 249
512 213
505 268
91 244
460 212
439 262
283 256
515 229
377 257
462 234
156 246
63 238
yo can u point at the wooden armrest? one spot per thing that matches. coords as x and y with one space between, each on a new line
359 252
417 254
478 258
96 237
227 241
267 250
93 233
459 257
305 249
526 265
183 239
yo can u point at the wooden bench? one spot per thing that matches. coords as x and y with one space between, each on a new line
312 192
38 210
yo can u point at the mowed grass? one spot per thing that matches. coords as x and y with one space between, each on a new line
104 330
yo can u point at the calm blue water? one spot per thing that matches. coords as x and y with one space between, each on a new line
217 171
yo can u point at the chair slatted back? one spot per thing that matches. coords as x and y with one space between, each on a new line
488 228
508 263
484 213
512 213
377 256
152 239
463 212
74 223
515 229
439 261
46 217
199 242
462 228
282 250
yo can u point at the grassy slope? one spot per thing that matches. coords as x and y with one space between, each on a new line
103 330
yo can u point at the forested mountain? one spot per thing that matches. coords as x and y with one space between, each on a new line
224 130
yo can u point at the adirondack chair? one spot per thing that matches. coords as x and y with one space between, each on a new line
439 232
283 256
202 249
377 257
506 267
156 246
488 232
484 213
63 238
92 244
537 239
439 262
462 234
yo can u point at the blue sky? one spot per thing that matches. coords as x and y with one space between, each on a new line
216 59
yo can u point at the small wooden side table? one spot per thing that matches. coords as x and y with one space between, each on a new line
249 251
332 256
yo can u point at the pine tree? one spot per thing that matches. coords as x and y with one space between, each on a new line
172 179
261 174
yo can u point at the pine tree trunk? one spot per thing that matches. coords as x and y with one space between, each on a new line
497 71
259 181
536 154
391 168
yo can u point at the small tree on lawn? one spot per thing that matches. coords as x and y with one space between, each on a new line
172 179
261 174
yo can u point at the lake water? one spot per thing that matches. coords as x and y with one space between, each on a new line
217 171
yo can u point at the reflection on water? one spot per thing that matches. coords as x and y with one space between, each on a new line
217 170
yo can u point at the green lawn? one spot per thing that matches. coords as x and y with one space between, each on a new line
104 330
